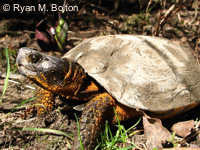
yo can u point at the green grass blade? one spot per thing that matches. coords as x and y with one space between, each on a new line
152 6
22 103
7 76
43 130
79 135
134 125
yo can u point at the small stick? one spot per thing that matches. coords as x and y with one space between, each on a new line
20 83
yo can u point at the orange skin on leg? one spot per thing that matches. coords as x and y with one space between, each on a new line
94 116
45 100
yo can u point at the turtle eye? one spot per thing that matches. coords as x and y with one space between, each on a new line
34 58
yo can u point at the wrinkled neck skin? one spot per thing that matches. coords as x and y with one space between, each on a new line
66 81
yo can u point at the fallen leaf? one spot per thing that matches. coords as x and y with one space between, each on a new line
155 133
183 129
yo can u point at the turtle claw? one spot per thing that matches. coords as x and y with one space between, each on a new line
80 107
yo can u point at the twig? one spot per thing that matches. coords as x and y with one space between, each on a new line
28 31
157 26
169 14
24 121
20 83
196 12
11 75
150 2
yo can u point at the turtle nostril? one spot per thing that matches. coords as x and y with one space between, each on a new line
18 65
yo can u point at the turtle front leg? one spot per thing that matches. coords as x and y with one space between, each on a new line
45 100
92 121
94 116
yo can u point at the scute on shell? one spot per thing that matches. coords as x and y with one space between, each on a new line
143 72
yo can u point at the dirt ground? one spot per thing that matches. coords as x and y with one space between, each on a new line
18 30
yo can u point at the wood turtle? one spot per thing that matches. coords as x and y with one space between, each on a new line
124 72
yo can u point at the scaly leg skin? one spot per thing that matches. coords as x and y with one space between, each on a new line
94 116
45 100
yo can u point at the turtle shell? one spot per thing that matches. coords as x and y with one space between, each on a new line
144 72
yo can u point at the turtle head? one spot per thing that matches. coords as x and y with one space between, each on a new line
42 69
60 76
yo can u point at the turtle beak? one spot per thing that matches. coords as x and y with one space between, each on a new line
23 63
20 60
21 57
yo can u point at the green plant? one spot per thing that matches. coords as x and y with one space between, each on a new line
22 103
7 75
11 55
108 141
81 145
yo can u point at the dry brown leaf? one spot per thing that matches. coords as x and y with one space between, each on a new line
155 133
183 129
